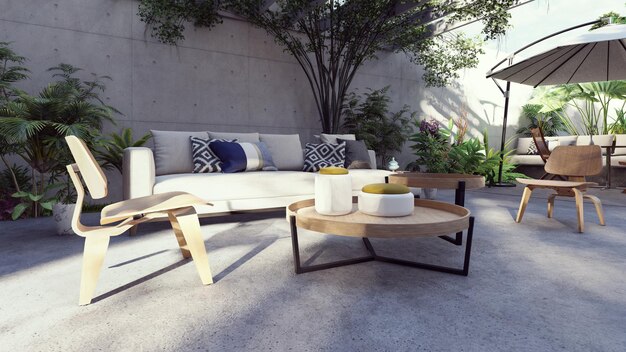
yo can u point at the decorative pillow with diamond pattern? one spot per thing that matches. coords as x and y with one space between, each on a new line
204 160
317 156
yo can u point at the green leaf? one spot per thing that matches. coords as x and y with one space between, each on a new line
18 210
35 197
47 205
20 194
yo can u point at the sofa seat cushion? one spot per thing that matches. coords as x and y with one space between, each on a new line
256 184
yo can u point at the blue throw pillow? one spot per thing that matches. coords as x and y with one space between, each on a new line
240 157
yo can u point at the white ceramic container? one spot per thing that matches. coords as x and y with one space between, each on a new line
333 194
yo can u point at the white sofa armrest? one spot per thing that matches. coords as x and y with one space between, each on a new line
139 176
372 155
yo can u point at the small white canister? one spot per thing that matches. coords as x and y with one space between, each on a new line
333 191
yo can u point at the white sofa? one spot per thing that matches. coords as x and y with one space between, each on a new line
520 156
148 171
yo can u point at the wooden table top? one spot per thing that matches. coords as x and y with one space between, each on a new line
429 218
433 180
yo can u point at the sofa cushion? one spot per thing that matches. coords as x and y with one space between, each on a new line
172 151
241 137
522 144
204 159
240 157
317 156
620 140
357 156
286 150
332 138
216 187
532 149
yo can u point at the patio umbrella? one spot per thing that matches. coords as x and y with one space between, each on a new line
598 55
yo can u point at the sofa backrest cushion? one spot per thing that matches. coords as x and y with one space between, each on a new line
241 137
286 150
357 156
241 157
598 139
332 138
522 145
172 151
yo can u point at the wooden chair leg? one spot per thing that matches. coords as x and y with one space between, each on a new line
93 257
133 230
184 249
186 220
551 204
522 206
578 195
598 204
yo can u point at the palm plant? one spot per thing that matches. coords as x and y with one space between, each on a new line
112 151
550 123
619 124
39 123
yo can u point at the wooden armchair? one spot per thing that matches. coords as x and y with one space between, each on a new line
177 206
574 162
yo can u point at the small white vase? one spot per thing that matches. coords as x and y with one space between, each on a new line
62 214
333 194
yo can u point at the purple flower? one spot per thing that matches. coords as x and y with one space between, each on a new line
430 127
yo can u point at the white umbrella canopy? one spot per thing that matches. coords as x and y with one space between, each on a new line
598 55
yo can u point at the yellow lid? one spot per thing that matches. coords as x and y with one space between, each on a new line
333 170
385 188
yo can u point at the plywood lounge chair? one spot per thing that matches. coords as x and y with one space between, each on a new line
573 162
119 217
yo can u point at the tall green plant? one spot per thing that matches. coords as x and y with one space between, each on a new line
38 124
369 118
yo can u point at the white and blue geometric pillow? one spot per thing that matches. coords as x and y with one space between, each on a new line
317 156
240 157
204 160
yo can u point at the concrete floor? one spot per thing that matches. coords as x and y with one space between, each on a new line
534 286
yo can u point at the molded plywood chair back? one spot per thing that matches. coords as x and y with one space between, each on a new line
177 206
540 142
575 161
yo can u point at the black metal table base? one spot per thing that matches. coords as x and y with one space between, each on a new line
373 256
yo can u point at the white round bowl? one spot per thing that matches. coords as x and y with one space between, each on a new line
386 204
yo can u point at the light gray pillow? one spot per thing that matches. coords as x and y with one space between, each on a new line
240 137
172 151
286 150
332 138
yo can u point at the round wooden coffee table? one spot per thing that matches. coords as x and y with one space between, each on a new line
429 219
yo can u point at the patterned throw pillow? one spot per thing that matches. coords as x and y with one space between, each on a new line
532 149
317 156
240 157
204 160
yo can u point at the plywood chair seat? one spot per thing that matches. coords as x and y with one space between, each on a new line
177 206
554 183
157 203
575 163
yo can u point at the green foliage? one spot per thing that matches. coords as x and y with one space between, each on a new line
550 123
332 39
112 152
431 147
615 17
14 178
436 154
11 71
619 124
35 126
590 100
369 118
37 202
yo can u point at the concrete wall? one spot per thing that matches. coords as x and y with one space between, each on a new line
235 78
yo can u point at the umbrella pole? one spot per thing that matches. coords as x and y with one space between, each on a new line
507 93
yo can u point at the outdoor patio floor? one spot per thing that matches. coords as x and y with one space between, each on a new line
534 286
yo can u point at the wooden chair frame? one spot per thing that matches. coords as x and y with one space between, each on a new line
178 206
574 162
